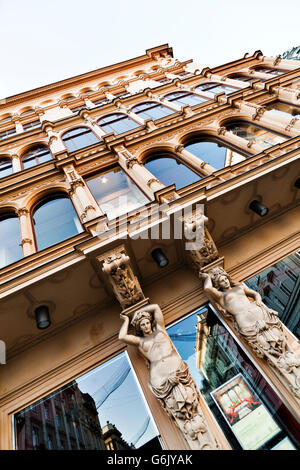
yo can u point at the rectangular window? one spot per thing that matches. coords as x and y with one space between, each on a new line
115 193
7 132
245 406
102 406
30 125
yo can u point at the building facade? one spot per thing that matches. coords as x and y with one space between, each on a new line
102 177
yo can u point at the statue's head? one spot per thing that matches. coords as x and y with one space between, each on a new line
220 279
142 323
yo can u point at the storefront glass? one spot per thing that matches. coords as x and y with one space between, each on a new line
102 410
245 406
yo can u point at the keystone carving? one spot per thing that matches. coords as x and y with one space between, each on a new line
257 324
170 380
116 265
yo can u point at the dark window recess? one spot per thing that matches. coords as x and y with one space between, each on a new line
7 132
30 125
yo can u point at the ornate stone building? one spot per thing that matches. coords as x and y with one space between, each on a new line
101 179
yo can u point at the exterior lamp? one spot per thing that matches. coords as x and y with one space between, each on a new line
42 317
297 183
159 257
258 208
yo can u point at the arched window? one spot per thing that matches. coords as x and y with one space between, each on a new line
36 155
115 193
214 153
5 167
252 132
10 236
117 123
241 77
215 88
284 108
269 70
55 220
78 138
184 97
169 171
151 110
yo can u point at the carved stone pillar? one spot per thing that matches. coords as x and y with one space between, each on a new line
290 95
92 124
16 163
191 159
161 100
250 146
125 110
26 229
55 143
137 171
84 203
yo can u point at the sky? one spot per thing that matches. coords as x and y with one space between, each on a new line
47 41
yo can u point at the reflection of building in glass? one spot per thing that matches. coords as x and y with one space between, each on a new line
279 286
113 438
67 420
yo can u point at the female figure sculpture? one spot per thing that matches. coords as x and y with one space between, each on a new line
170 379
256 323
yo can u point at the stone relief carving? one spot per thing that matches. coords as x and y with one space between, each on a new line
256 323
170 380
116 265
291 124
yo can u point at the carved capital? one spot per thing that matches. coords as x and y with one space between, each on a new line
26 240
250 143
22 211
117 267
258 113
152 180
179 148
222 130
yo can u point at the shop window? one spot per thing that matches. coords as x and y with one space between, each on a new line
184 98
55 220
151 110
279 286
115 193
10 249
117 123
119 418
79 138
35 155
6 168
284 108
214 153
245 406
255 133
215 88
169 171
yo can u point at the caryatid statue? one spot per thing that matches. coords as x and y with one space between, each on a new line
259 325
170 380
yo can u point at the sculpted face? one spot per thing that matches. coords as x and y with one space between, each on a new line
145 326
223 282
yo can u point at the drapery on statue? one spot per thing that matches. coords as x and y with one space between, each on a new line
170 379
255 322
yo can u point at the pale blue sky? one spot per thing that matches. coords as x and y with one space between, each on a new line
46 41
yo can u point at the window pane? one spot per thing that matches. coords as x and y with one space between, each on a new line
151 110
55 221
279 286
5 167
118 125
115 193
10 249
261 136
215 154
216 88
35 156
169 171
247 409
103 409
183 98
284 108
79 138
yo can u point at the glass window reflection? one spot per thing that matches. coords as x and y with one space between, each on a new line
251 132
170 171
117 123
284 108
5 167
101 410
36 155
115 193
10 249
151 110
279 287
248 411
55 220
79 138
216 88
184 98
216 154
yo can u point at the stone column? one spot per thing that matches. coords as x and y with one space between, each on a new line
161 100
137 171
125 110
55 143
16 120
84 203
92 124
249 146
191 159
26 229
290 95
16 163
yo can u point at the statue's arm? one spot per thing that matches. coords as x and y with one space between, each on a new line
123 333
211 292
157 314
253 294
